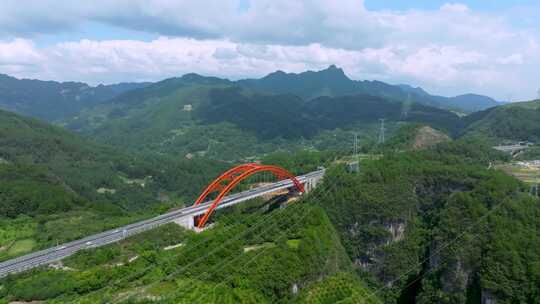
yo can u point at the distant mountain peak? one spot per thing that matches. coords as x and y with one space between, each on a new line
276 74
333 68
334 71
410 89
197 78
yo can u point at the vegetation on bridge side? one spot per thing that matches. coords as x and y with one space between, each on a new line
56 186
210 267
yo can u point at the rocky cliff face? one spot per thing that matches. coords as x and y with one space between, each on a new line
397 231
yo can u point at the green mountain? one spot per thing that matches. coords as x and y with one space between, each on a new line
329 82
470 102
333 82
519 121
56 186
200 116
467 103
429 226
51 100
58 101
423 222
83 166
436 226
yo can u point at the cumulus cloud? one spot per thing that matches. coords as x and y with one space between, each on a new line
449 50
344 23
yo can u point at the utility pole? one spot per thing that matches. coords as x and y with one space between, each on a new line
381 131
538 94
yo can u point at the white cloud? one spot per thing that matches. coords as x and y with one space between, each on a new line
455 7
511 59
450 50
18 52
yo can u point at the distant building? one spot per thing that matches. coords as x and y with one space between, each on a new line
188 108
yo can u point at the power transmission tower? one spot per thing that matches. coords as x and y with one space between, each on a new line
406 105
538 94
355 148
381 131
354 165
534 190
534 187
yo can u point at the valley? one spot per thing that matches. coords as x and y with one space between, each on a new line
431 214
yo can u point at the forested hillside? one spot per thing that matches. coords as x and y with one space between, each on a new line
61 101
197 116
513 122
429 226
433 226
423 221
333 82
51 100
55 186
270 116
246 258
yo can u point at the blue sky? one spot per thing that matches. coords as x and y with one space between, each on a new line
93 31
446 47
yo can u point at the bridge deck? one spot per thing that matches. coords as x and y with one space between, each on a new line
62 251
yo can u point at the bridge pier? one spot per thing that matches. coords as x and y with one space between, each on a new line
187 222
311 183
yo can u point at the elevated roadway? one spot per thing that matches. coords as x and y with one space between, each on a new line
183 217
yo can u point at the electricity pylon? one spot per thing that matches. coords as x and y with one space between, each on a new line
355 147
381 132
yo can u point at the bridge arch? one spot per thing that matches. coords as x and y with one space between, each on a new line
228 180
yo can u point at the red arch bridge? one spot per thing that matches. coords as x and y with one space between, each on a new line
189 217
226 182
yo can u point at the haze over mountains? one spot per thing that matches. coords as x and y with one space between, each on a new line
54 101
51 100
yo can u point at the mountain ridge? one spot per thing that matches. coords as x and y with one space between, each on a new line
53 100
333 81
56 101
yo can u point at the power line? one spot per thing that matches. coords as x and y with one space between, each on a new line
253 227
261 251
